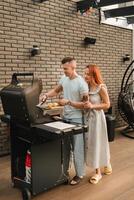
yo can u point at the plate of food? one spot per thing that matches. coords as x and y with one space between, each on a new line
48 105
51 108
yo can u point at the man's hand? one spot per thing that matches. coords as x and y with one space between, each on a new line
43 98
63 102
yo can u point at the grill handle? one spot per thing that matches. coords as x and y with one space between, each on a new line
15 81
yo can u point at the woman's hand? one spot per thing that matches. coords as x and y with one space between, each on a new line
88 105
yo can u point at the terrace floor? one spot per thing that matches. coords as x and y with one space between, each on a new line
117 186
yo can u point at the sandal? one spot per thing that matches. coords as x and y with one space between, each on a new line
76 180
95 178
108 170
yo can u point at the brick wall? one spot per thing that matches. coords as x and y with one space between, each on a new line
57 29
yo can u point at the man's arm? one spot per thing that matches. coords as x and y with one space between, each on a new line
51 93
85 97
80 104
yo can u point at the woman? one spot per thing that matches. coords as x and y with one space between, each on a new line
97 146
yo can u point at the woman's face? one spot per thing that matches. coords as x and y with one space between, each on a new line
88 76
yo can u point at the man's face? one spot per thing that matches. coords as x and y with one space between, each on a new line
69 68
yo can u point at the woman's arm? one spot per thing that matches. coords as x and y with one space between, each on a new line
105 104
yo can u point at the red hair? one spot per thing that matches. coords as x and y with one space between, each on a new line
95 72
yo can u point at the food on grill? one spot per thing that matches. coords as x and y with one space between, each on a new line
52 105
55 104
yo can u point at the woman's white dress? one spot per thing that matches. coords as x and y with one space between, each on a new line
96 139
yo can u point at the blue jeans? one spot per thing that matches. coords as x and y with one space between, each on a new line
77 143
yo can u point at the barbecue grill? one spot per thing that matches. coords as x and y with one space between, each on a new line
46 139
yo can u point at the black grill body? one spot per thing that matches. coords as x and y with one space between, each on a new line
49 147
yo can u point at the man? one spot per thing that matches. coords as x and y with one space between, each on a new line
75 92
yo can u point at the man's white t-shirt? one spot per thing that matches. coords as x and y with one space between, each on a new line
73 90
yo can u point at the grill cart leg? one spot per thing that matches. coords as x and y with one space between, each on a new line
26 194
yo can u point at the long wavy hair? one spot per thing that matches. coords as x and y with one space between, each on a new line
95 73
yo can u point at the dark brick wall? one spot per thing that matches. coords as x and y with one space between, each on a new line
57 29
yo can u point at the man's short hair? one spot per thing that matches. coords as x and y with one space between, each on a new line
67 59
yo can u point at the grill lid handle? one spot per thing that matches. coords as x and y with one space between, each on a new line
15 81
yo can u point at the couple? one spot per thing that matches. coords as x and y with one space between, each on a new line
92 97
